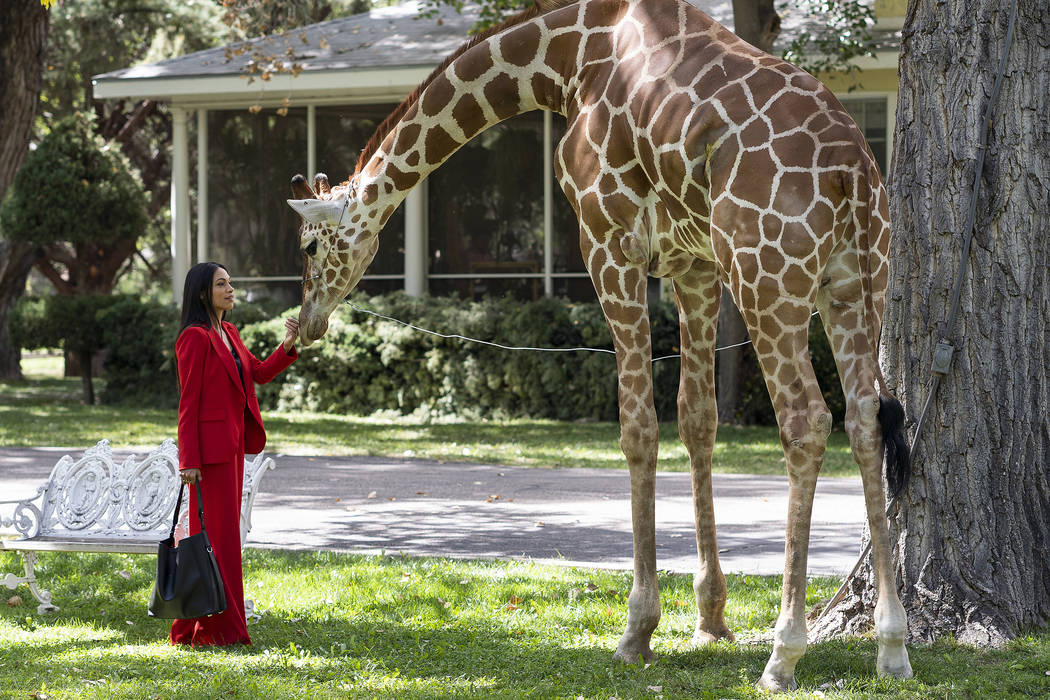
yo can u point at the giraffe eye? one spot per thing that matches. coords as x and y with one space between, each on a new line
311 250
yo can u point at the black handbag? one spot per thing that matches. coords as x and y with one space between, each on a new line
188 582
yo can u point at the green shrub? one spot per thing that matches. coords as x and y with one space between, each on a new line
140 360
140 338
28 324
366 364
101 200
73 323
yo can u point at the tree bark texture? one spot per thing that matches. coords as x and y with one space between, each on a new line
731 361
756 22
23 34
973 528
16 260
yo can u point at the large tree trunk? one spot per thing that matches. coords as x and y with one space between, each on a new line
973 543
22 42
756 22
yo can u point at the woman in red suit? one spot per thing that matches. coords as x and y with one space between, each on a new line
219 421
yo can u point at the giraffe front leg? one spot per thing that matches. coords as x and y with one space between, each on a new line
638 438
621 287
698 293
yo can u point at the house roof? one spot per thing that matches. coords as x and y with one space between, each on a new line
380 54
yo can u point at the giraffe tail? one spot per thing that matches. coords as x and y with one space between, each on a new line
891 412
898 457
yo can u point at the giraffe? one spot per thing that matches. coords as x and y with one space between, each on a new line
688 155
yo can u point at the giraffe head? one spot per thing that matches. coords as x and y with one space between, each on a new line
338 239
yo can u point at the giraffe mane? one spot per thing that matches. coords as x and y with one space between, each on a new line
538 8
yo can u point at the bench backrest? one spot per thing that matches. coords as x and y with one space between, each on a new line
96 497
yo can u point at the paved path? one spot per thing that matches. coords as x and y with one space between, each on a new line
570 516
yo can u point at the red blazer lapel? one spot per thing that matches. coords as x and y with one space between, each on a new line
226 359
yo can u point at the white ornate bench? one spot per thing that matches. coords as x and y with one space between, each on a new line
93 504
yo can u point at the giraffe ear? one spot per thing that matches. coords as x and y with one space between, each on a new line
321 185
301 190
318 211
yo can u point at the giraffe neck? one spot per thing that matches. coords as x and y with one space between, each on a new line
496 79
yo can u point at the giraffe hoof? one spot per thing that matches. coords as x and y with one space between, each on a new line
895 664
632 652
702 638
776 684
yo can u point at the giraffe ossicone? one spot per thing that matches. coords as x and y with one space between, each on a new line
689 155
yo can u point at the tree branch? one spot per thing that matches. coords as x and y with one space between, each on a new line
61 285
135 121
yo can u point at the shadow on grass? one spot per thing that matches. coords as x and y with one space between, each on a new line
385 644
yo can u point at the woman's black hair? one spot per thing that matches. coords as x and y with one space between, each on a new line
196 295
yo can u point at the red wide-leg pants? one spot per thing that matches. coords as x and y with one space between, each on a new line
221 488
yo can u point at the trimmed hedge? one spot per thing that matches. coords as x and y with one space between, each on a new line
366 364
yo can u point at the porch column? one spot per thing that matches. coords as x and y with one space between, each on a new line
180 202
548 204
202 185
416 241
311 143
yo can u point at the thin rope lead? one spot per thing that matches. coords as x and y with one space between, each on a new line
457 336
971 220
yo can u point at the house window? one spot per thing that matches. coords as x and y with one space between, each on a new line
342 132
485 214
871 116
251 228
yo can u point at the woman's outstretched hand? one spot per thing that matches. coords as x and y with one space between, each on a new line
292 325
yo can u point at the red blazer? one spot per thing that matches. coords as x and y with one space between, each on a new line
213 406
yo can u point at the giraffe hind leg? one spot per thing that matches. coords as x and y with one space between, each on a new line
805 423
874 425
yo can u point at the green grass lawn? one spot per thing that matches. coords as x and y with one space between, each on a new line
346 626
45 410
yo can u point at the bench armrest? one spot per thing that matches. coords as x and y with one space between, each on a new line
253 474
27 514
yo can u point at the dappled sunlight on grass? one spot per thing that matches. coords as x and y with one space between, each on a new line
336 626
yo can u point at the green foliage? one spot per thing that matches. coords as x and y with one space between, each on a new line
28 324
140 358
72 323
88 37
140 339
841 34
492 11
76 322
74 188
366 364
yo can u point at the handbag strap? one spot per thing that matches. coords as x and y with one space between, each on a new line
178 507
